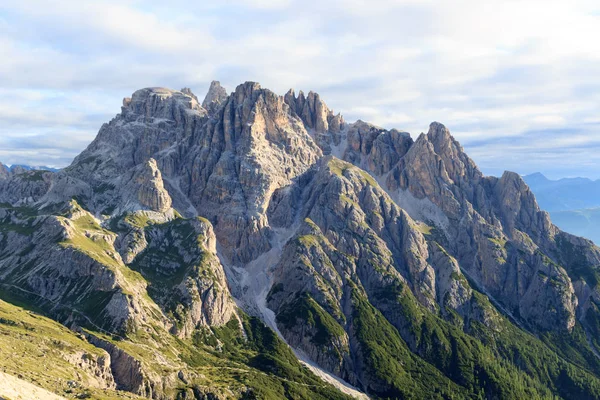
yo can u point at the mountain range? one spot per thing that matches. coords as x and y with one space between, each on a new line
18 168
258 246
564 194
573 203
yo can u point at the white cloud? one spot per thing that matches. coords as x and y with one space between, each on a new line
489 70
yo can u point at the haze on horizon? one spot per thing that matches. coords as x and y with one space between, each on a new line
515 81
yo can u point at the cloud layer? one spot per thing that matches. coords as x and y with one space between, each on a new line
515 81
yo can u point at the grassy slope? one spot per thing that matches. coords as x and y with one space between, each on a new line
33 347
224 362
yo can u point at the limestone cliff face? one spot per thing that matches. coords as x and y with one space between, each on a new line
478 218
148 188
128 372
24 187
67 260
313 112
501 232
226 166
251 147
97 367
323 124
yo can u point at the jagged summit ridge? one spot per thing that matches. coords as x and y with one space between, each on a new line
314 112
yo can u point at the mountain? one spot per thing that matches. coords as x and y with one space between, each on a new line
573 203
585 222
257 246
565 194
21 167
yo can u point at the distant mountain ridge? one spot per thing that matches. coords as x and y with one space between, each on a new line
573 203
16 167
585 222
564 194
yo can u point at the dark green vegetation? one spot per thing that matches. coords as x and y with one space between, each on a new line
444 360
474 369
502 361
264 351
409 352
389 360
576 264
306 310
260 365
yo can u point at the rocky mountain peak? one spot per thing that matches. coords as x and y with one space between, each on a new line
216 96
189 92
520 208
442 140
459 166
314 112
247 90
148 186
438 132
151 120
156 104
4 171
160 102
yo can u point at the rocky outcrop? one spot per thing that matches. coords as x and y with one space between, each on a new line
187 91
60 262
215 97
96 366
519 210
319 120
150 122
314 112
373 148
129 375
354 235
148 188
4 172
185 275
493 227
24 187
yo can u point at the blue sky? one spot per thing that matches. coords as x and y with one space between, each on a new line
517 82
